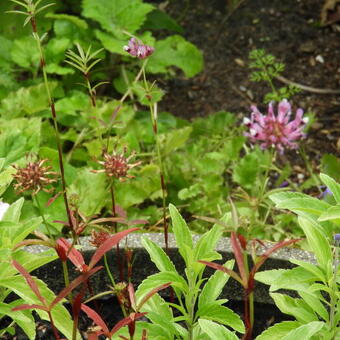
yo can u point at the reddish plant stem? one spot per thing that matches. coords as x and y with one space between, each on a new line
55 332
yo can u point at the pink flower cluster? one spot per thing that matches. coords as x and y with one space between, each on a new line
137 49
276 131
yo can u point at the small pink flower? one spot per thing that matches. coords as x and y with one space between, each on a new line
137 49
276 130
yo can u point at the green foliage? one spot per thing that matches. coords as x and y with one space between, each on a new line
267 69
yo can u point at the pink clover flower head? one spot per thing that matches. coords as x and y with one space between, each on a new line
279 131
137 49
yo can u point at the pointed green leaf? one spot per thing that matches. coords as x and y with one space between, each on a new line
279 330
216 331
333 186
304 332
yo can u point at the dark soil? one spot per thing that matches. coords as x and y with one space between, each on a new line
290 31
266 316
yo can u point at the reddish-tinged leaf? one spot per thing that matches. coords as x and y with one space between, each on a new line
75 283
271 250
132 296
92 336
120 211
30 281
52 199
107 219
34 306
126 321
72 253
96 318
238 253
151 293
242 241
134 222
230 272
123 337
109 244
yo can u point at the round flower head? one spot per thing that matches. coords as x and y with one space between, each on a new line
277 131
137 49
35 176
117 165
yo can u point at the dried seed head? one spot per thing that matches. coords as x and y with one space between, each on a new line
117 165
34 177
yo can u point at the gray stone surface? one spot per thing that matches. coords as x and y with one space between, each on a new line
142 265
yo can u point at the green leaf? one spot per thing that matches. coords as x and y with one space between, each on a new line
279 330
221 314
13 212
158 256
6 178
117 15
90 190
25 53
333 186
80 23
23 319
182 234
158 19
214 286
330 165
313 301
60 314
311 268
150 97
296 307
305 331
246 171
175 139
159 279
317 242
279 197
216 331
175 51
205 248
332 213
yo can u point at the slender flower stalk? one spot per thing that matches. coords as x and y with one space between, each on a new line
31 11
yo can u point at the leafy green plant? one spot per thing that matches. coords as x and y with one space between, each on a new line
267 69
196 299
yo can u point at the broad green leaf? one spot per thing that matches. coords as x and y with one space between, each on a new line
304 332
25 53
332 213
222 315
175 51
158 19
80 23
279 197
307 204
159 279
158 256
90 189
246 171
296 307
23 319
6 178
317 242
216 331
205 248
313 301
330 165
333 186
175 139
214 286
147 97
311 268
13 212
278 331
117 15
182 234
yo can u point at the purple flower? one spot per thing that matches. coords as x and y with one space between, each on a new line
326 192
137 49
276 130
337 237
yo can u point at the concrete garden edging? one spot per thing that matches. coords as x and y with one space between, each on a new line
51 273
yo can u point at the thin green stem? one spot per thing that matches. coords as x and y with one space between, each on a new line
35 198
67 280
153 115
113 283
54 116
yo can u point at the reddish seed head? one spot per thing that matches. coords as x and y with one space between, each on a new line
98 238
117 165
34 177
